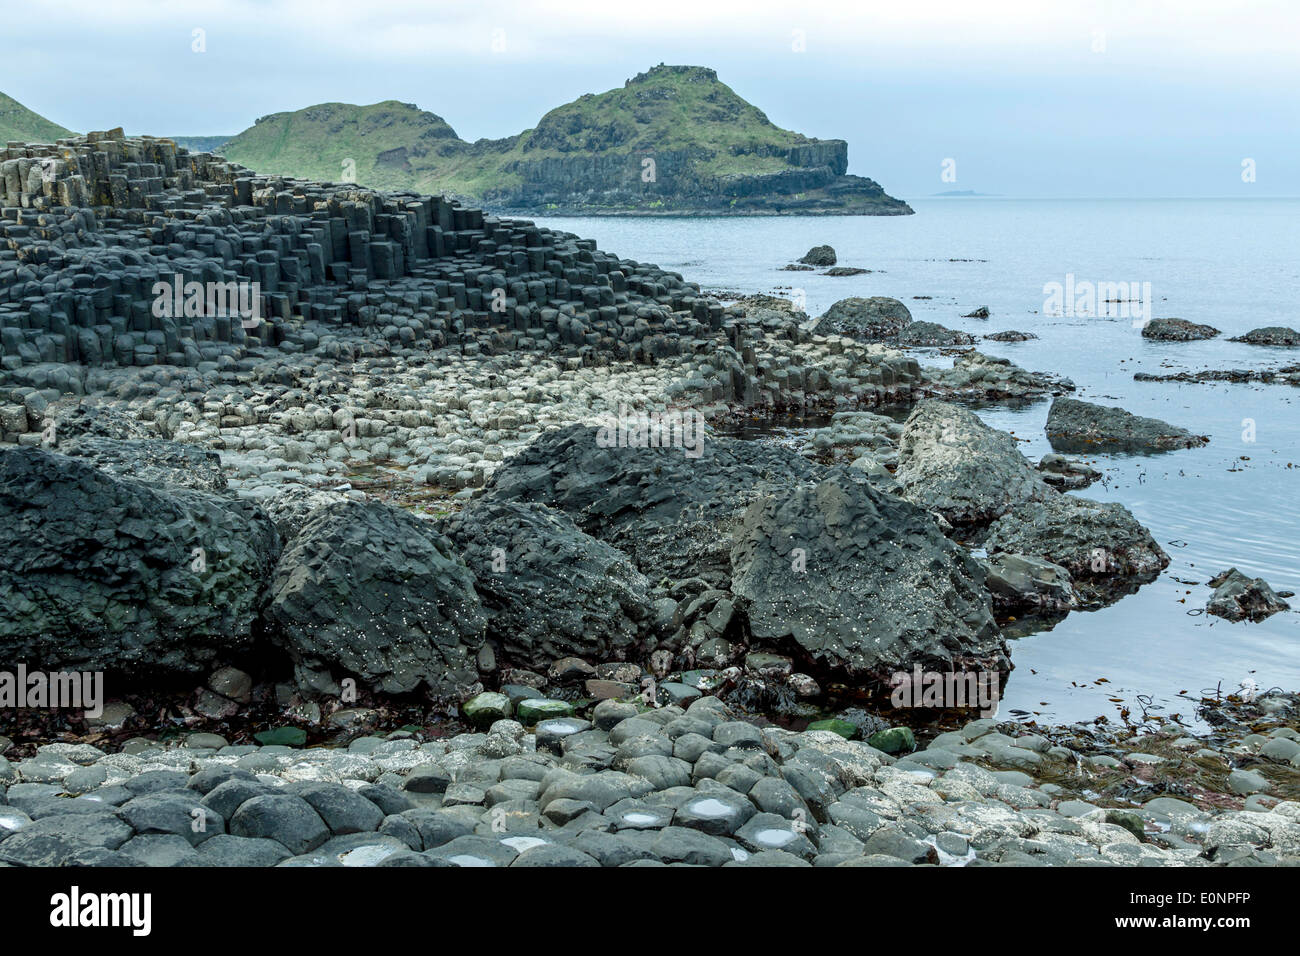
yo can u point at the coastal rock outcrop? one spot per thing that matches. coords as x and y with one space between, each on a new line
105 573
1077 426
860 583
371 592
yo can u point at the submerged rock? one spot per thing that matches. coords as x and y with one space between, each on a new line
101 572
1074 425
1103 547
875 318
1237 597
550 590
377 594
860 583
1177 330
951 462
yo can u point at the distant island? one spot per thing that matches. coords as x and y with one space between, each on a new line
671 141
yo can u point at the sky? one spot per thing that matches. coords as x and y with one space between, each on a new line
1132 98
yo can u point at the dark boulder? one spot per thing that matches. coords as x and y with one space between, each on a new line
1107 552
1270 335
101 572
150 461
372 592
858 584
819 256
671 513
1077 426
932 334
1238 598
550 590
1177 330
875 318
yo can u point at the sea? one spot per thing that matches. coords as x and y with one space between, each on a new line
1231 263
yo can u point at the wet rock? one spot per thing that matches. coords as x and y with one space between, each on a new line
1237 597
373 592
873 319
672 514
150 461
859 582
1177 330
932 334
110 574
1077 426
982 312
1065 473
1103 547
1018 582
951 462
1270 335
550 590
1011 335
818 256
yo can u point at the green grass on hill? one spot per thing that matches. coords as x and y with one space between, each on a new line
18 124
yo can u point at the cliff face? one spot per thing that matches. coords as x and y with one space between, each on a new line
672 141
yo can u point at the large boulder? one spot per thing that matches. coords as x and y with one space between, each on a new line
1105 549
673 514
109 574
1077 426
550 590
875 318
951 462
1239 598
858 584
371 592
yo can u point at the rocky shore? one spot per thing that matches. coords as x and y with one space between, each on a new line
692 786
460 470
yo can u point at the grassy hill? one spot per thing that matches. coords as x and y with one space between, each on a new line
21 125
672 140
389 143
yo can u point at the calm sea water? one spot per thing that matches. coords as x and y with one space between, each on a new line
1234 264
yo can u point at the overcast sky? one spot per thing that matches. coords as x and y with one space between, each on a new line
1028 99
